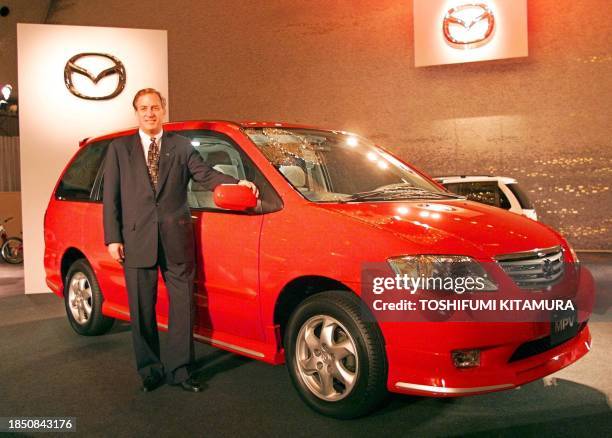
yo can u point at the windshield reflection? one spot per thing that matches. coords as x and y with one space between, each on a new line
330 166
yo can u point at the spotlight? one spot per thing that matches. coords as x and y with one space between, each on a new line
5 94
4 11
6 91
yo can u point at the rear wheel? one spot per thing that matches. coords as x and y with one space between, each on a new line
336 359
83 300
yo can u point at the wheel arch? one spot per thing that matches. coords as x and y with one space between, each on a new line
297 290
71 255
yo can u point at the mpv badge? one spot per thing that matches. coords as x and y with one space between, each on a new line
564 323
72 68
462 28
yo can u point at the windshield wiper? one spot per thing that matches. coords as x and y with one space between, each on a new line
400 192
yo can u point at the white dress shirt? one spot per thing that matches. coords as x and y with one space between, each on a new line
145 140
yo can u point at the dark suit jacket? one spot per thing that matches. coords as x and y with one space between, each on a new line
133 214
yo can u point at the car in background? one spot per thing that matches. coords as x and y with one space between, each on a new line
282 282
498 191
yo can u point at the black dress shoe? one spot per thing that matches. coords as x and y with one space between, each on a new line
190 385
151 383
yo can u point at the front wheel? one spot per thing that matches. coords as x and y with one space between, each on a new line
83 300
335 357
12 250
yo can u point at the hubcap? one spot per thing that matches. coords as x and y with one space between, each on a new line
80 298
326 358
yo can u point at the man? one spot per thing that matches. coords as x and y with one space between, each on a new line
147 225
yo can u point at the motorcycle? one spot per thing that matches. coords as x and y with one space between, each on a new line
11 248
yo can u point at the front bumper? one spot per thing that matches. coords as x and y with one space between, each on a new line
432 373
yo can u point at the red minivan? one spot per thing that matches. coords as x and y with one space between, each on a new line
283 281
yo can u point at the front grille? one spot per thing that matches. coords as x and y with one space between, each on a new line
538 346
535 269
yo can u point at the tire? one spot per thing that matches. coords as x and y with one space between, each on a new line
83 301
10 252
346 379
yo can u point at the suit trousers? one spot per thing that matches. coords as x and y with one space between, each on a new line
142 295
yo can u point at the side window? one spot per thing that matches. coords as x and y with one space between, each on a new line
98 189
454 187
487 192
78 180
521 195
504 202
220 152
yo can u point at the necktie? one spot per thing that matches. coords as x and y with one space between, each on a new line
153 162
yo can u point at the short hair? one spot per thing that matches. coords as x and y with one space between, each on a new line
149 91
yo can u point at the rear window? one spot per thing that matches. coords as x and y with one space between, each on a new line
521 196
79 178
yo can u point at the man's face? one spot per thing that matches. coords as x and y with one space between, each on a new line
150 113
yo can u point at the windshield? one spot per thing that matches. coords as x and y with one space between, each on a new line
329 166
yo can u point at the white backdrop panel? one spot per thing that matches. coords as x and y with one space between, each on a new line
52 120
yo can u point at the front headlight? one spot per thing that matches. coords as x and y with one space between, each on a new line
444 272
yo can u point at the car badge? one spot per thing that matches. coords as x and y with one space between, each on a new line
72 68
462 25
547 268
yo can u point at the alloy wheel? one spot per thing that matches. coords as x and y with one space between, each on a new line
326 358
80 298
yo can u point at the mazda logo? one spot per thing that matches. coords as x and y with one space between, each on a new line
73 68
547 268
468 25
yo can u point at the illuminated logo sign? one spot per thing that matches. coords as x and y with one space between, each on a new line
71 69
469 25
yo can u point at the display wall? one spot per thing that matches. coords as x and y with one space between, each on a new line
543 119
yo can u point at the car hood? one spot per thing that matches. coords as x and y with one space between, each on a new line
453 226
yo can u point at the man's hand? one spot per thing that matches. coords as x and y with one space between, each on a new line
250 185
116 251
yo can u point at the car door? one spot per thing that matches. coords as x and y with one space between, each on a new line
227 292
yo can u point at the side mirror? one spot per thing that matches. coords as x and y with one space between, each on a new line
234 197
